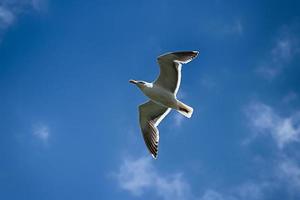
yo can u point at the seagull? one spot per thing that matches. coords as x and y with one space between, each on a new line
162 94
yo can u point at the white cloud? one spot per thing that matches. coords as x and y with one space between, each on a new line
212 195
245 191
253 191
41 132
138 176
6 17
284 173
290 97
178 119
11 9
282 50
39 4
285 49
264 120
235 28
181 94
208 82
228 27
289 172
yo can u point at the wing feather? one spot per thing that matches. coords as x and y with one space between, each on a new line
170 69
151 114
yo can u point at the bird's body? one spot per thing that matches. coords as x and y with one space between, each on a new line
162 94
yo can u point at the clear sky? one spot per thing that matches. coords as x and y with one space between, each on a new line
69 120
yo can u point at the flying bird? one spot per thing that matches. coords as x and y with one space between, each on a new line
162 94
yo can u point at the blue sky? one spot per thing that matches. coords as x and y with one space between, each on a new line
68 116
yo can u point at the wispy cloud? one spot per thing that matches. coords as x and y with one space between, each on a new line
285 48
41 132
284 173
11 9
289 172
221 27
283 176
208 82
178 119
264 120
252 190
212 195
290 97
6 17
235 28
39 4
139 176
245 191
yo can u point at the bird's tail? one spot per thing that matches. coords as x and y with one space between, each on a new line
184 109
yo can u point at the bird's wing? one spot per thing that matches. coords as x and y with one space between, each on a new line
170 69
151 114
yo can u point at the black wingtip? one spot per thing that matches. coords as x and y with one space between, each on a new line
154 156
196 53
185 56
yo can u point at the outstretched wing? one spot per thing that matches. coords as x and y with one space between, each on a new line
170 69
151 114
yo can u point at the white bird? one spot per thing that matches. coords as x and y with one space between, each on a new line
162 93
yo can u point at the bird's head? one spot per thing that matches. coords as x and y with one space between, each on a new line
140 84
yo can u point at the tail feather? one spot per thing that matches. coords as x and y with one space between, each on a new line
185 110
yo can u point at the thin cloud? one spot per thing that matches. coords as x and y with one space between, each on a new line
39 4
264 120
212 195
245 191
178 119
6 17
41 132
253 191
11 9
289 172
290 97
235 28
208 82
285 48
221 27
285 171
139 176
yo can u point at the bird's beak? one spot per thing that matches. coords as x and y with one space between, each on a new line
133 81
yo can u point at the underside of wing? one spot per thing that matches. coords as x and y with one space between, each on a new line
170 69
151 115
